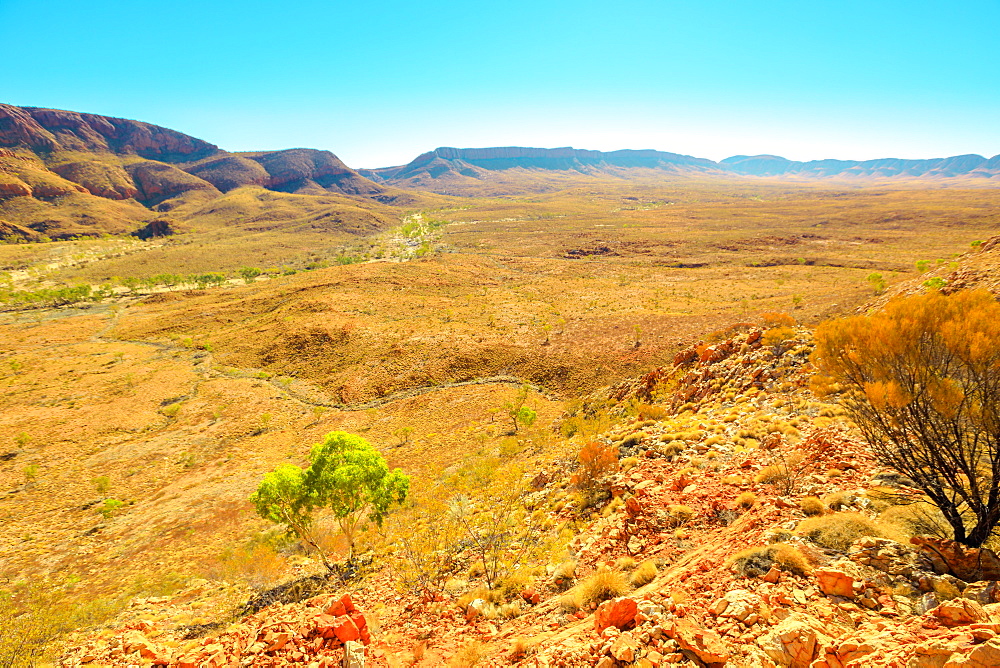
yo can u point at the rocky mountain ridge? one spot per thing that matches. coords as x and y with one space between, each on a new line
455 171
67 164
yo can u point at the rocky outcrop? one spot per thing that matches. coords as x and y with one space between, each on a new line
968 563
231 171
49 130
14 232
102 179
158 182
304 170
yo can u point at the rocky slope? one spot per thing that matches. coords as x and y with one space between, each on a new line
66 174
746 524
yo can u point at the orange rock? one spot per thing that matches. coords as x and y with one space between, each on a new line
833 582
336 609
618 612
345 629
959 611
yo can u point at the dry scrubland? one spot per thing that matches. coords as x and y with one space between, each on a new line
182 399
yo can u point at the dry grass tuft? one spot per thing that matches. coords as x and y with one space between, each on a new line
812 506
625 563
746 500
757 561
601 586
839 530
470 655
643 574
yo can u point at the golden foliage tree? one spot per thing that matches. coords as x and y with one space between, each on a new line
921 379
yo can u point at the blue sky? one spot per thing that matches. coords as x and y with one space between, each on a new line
380 82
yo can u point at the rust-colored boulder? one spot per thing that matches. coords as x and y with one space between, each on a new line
618 612
968 563
958 612
834 582
704 644
344 628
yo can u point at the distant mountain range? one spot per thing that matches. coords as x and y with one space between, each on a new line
64 173
452 170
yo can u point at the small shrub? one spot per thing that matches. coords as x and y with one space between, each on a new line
625 563
602 585
564 573
649 412
569 602
643 574
596 461
771 474
672 448
110 507
30 473
746 500
628 463
102 484
811 506
470 655
914 519
837 500
681 514
839 530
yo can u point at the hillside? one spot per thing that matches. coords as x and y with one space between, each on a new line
136 422
708 553
65 174
507 170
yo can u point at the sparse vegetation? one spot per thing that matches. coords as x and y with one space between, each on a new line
921 384
757 561
839 530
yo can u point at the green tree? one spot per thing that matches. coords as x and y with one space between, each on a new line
922 381
249 273
518 413
346 477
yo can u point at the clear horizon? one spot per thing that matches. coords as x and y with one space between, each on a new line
378 85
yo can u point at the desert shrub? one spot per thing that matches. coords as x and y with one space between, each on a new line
629 463
839 530
913 519
920 379
775 319
521 648
680 514
564 573
757 561
569 602
102 484
777 335
811 505
604 584
650 412
837 500
625 563
596 461
643 574
672 448
427 547
256 563
470 655
771 474
746 500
